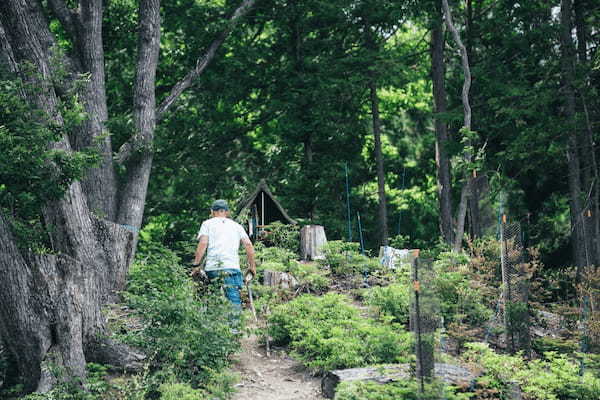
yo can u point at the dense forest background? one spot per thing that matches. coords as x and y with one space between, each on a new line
289 101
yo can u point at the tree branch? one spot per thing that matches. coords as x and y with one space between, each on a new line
465 64
204 60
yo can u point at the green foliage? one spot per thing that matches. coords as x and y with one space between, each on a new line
284 236
281 259
461 298
31 172
192 335
556 377
218 387
392 300
311 276
328 333
343 258
96 386
273 254
559 345
179 391
399 241
400 390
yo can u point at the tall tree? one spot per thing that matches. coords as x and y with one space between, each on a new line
441 129
383 220
466 189
589 166
474 212
52 302
578 222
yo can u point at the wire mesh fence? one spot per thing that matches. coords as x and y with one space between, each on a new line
515 285
424 319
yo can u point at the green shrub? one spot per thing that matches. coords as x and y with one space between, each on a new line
278 259
556 377
271 266
392 300
179 391
96 386
283 236
273 254
461 298
311 276
328 333
343 258
191 335
401 390
219 386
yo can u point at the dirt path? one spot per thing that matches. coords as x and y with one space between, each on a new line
278 377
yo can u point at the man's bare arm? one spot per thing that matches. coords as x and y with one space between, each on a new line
200 251
250 255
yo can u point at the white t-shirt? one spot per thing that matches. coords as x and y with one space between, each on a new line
224 237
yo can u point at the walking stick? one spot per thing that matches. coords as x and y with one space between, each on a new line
247 281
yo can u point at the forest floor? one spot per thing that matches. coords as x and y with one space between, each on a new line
278 377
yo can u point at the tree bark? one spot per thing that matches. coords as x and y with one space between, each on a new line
133 196
100 182
578 239
312 238
383 223
475 198
50 305
590 165
441 130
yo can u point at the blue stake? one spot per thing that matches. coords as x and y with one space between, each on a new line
348 204
362 244
400 214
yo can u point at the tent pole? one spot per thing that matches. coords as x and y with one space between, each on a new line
348 205
362 244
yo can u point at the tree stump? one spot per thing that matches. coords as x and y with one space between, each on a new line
279 279
312 238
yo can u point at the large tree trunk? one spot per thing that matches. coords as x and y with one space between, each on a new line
578 229
50 305
51 312
441 130
383 223
475 197
590 166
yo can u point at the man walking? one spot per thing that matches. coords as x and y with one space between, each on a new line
219 237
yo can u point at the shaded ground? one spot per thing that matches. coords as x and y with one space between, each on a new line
278 377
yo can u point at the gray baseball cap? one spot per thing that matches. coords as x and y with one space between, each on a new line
219 205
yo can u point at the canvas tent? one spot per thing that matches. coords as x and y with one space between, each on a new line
261 208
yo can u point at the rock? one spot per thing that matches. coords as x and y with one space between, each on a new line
548 324
451 374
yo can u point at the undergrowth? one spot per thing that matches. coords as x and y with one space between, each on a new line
328 333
